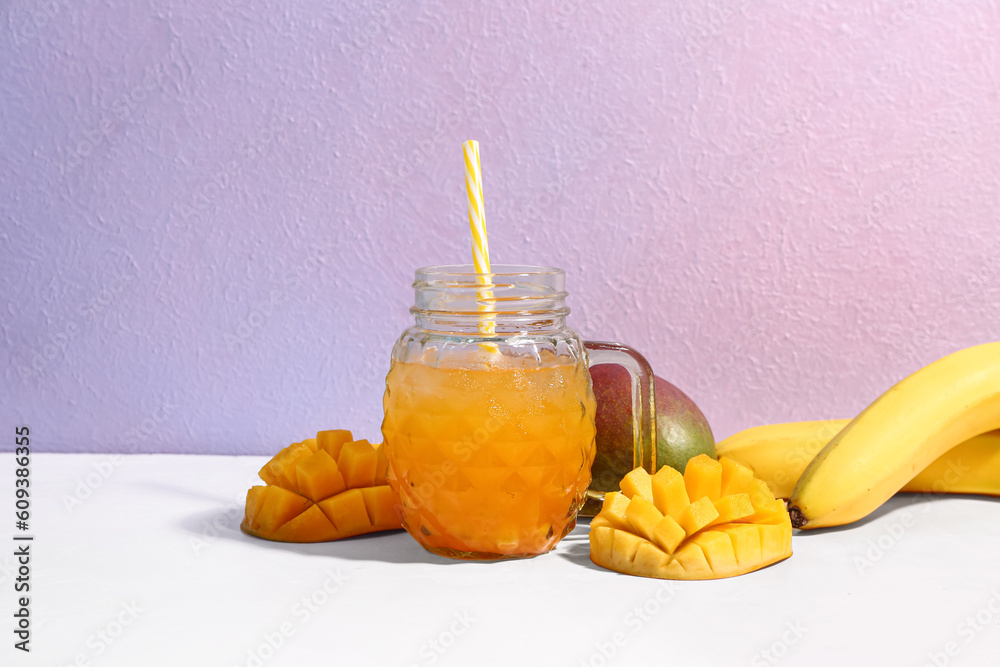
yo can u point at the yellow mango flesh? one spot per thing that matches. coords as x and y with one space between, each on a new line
324 488
746 543
643 517
715 521
668 535
358 461
332 441
703 478
692 560
615 509
733 508
347 512
734 476
380 462
270 507
669 493
309 526
380 504
697 515
637 482
718 550
319 477
649 559
280 470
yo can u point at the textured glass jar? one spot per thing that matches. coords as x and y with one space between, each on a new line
489 413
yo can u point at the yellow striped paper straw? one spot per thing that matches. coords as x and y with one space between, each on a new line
477 223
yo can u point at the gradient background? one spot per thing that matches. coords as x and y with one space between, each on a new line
211 212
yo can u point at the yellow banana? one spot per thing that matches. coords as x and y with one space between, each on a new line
970 467
778 453
899 435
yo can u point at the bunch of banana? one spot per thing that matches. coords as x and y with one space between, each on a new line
935 431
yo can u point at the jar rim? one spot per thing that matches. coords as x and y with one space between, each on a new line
501 270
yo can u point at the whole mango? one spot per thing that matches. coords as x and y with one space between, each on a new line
682 432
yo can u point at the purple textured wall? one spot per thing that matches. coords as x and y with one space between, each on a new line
211 212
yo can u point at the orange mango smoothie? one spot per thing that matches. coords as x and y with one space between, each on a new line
489 461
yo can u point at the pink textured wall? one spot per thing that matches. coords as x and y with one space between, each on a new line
211 211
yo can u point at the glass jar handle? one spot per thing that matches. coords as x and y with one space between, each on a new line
643 413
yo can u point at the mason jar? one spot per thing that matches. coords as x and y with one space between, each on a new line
489 412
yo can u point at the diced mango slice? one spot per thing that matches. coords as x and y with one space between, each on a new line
697 515
649 559
319 477
624 547
381 464
669 493
346 511
643 517
324 488
760 493
332 441
380 503
732 508
718 550
601 540
614 509
280 470
715 521
773 542
637 482
746 544
692 559
309 526
773 513
270 507
767 509
735 477
703 478
668 534
357 463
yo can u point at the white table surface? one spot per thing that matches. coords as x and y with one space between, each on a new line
152 569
